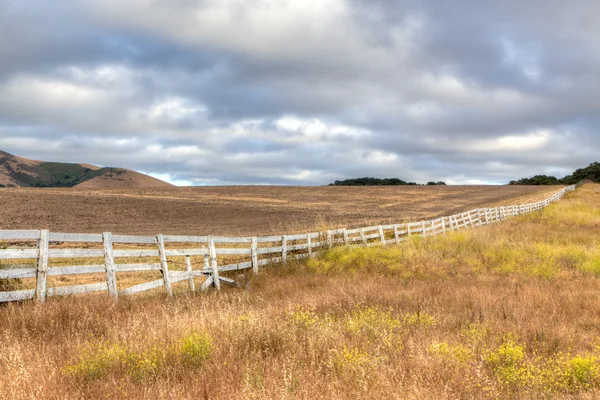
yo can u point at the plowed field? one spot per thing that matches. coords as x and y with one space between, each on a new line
244 210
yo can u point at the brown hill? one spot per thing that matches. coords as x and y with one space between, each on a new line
124 179
22 172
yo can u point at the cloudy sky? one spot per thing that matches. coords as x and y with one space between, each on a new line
304 92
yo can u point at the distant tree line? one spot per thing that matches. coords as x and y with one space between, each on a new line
590 173
370 181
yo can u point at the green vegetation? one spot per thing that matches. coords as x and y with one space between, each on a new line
367 181
590 173
99 360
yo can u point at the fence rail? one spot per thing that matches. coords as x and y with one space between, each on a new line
200 256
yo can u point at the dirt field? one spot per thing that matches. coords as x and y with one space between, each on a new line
244 210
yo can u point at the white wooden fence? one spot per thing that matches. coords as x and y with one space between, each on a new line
215 254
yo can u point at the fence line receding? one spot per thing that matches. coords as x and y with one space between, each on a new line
38 255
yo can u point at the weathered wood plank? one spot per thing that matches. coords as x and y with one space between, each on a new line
254 254
295 247
42 266
381 234
76 270
296 237
373 236
18 273
268 250
185 239
78 289
129 239
76 253
20 235
225 239
188 268
225 251
138 267
18 254
109 263
228 281
164 264
362 236
371 228
179 276
142 287
213 263
76 237
201 272
136 253
207 283
17 295
268 239
186 252
234 267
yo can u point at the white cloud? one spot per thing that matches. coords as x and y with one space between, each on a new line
168 178
265 91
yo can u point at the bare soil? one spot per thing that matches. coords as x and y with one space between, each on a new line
243 210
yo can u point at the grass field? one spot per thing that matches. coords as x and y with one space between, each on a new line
244 210
504 311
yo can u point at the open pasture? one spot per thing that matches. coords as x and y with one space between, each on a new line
244 210
501 311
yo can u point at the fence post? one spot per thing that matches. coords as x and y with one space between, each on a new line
284 248
363 237
164 265
213 263
381 235
329 239
109 264
345 233
396 235
254 252
42 266
188 268
424 231
309 244
444 225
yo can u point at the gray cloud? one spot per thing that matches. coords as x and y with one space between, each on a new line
295 92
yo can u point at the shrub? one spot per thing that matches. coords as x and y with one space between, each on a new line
147 362
196 348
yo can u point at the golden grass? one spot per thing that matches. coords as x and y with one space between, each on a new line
505 311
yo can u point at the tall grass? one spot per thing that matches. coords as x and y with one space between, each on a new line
505 311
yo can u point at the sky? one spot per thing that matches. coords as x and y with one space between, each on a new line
297 92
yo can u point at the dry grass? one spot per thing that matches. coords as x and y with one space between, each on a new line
506 311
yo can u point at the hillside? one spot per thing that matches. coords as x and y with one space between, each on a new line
22 172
